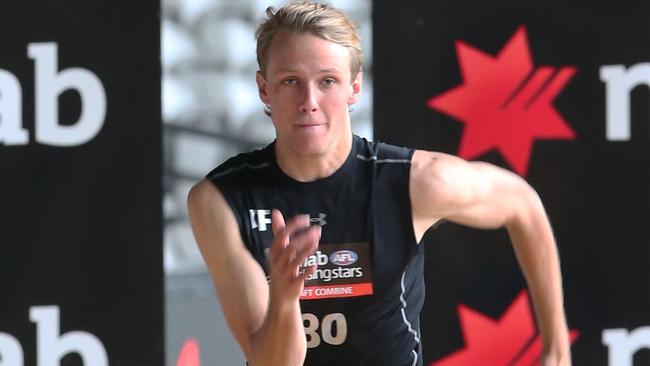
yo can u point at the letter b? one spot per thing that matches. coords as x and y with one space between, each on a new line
322 258
50 84
51 346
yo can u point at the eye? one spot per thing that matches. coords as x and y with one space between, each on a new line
328 81
290 81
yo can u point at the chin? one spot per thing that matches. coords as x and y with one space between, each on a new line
312 141
311 146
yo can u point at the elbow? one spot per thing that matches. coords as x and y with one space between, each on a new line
526 209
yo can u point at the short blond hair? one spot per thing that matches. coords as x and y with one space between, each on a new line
316 19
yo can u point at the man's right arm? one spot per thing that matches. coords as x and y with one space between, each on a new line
265 320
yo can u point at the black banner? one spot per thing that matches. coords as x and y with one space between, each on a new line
557 92
80 187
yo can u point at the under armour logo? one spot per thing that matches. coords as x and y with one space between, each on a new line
320 220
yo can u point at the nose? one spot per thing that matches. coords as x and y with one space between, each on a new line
308 102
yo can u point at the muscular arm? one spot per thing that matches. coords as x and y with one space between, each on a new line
265 320
481 195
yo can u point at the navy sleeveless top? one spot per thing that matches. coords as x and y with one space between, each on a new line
362 305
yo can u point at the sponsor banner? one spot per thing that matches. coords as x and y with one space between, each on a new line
557 94
80 147
343 270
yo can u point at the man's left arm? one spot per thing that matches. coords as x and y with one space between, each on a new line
481 195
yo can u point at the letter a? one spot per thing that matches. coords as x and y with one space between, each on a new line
11 354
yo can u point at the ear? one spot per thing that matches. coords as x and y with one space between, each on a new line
261 87
356 88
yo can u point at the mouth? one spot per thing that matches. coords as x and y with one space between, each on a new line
310 125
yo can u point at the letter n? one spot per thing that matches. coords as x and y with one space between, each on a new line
623 345
619 83
11 121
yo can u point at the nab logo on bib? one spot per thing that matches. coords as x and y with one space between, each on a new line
343 257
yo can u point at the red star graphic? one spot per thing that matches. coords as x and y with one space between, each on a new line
503 103
509 341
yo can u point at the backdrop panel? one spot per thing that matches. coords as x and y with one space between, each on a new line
80 186
558 93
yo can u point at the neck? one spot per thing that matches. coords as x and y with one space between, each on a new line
310 167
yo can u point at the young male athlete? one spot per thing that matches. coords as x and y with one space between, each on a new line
312 242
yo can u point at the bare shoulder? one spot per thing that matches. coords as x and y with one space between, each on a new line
476 194
201 193
438 178
426 165
213 222
453 177
431 178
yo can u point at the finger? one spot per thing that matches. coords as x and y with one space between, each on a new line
282 231
300 247
307 246
291 265
280 238
277 221
307 271
289 260
297 224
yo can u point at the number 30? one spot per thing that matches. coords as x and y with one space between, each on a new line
310 322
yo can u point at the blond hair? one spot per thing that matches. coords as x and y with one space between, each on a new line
316 19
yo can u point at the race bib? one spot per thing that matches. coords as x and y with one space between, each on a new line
344 270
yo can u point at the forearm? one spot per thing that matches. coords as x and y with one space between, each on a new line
281 339
536 251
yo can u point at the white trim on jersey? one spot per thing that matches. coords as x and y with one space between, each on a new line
238 168
408 324
377 160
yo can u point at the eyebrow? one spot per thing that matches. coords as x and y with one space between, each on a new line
329 70
321 71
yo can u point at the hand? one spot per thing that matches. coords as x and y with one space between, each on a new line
292 244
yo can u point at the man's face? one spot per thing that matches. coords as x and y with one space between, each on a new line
308 86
